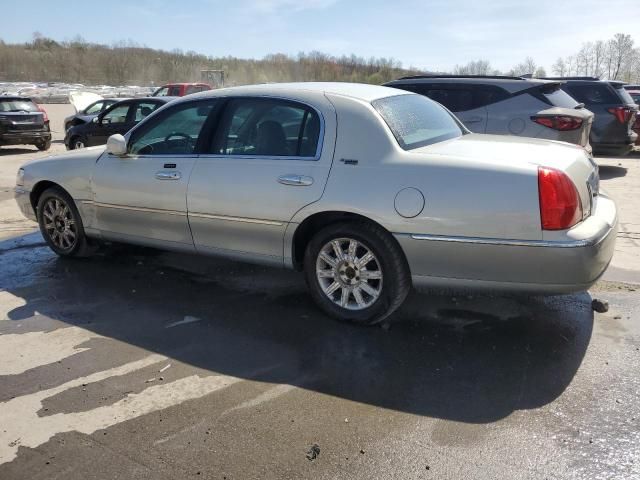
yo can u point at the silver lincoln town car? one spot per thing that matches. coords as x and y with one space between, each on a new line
367 189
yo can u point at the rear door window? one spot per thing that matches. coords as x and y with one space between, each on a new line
143 110
456 100
268 128
592 93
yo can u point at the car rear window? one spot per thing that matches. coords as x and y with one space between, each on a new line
635 96
417 121
593 93
624 95
17 105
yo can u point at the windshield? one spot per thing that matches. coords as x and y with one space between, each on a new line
417 121
17 105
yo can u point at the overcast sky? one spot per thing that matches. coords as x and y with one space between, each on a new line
433 35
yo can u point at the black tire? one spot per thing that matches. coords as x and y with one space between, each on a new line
395 275
73 143
79 246
43 146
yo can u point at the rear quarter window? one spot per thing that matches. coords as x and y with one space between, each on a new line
416 121
559 98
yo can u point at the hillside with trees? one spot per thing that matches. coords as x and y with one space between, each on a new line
127 63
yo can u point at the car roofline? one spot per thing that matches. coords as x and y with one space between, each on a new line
359 91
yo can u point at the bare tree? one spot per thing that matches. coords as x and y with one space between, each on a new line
475 67
559 68
620 51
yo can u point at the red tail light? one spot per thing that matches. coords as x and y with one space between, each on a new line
44 113
559 122
622 114
560 205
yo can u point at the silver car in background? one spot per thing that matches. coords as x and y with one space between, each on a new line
507 105
367 189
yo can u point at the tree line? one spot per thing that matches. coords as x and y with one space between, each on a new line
613 59
127 63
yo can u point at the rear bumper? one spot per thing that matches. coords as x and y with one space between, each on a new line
23 199
618 148
24 138
571 262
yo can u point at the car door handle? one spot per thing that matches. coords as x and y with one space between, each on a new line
295 180
168 175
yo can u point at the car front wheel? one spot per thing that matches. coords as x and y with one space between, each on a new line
356 272
60 224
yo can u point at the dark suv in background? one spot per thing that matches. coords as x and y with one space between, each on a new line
507 105
23 122
614 109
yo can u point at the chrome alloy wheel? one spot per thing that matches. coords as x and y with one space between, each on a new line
349 273
78 144
59 224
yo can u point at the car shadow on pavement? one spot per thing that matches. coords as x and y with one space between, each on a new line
469 359
608 172
16 151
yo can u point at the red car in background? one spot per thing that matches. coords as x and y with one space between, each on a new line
180 89
635 94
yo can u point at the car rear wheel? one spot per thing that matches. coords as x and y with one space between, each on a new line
356 272
43 146
61 225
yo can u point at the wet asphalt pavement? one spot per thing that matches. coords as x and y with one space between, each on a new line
140 364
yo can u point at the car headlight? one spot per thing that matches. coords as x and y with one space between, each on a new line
20 178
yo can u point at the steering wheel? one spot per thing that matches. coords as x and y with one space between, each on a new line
186 137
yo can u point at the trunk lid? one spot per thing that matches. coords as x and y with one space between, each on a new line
525 153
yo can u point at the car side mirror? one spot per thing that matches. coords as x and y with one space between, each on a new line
96 120
117 145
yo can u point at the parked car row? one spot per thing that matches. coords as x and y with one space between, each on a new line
366 189
589 112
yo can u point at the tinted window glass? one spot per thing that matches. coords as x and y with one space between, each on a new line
117 114
624 95
559 98
17 106
594 94
174 91
144 109
635 97
417 121
95 108
176 132
456 100
161 92
265 127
